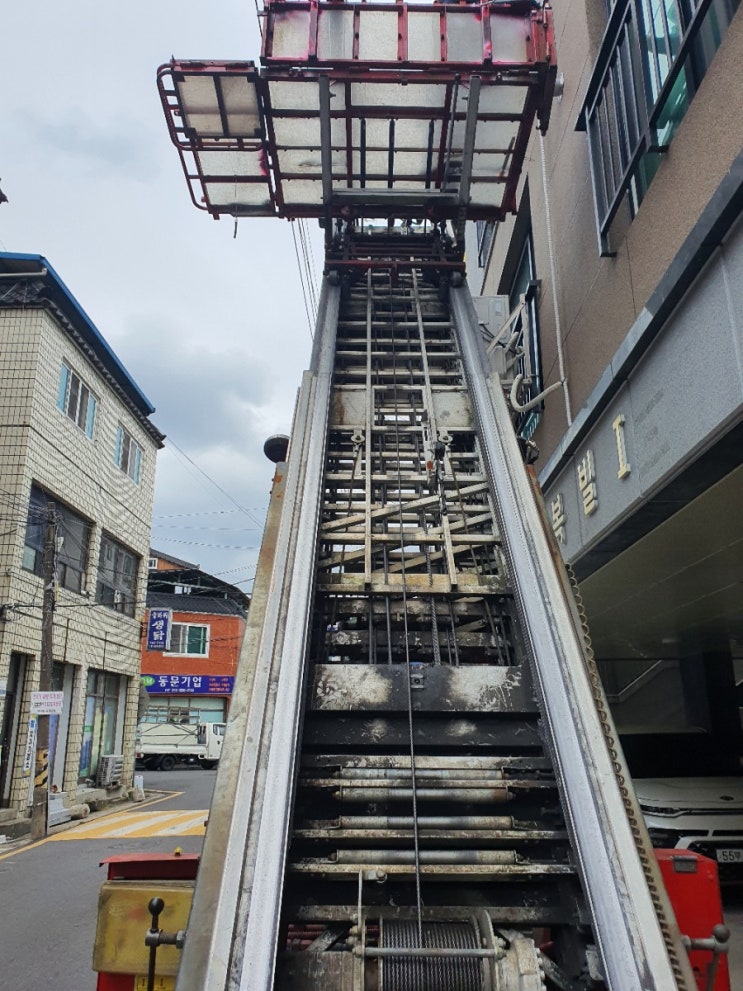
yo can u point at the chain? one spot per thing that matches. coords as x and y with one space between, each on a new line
648 866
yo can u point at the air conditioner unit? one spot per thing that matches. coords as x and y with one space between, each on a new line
110 769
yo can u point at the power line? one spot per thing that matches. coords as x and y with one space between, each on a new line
209 512
301 281
212 529
232 571
202 543
208 477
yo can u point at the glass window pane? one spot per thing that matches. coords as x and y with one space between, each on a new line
62 391
197 640
117 576
73 396
90 422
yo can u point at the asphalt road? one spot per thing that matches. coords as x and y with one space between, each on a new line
49 890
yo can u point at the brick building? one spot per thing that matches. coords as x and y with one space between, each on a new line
624 268
192 680
76 436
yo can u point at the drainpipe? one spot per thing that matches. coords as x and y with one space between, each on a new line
553 274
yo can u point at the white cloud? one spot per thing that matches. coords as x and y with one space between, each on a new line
212 328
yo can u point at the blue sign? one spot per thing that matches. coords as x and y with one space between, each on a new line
158 629
188 684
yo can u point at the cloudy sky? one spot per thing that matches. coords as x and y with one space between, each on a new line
212 327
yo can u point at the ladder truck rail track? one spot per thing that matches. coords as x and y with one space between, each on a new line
421 770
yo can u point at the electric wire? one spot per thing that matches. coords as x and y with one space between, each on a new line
310 257
243 509
308 266
209 512
206 543
302 281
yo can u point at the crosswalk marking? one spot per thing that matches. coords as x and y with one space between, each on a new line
133 825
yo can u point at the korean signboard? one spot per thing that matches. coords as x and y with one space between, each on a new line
47 703
29 752
188 684
159 624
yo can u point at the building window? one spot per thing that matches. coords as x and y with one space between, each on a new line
71 541
128 454
75 399
523 292
117 576
652 59
485 239
189 639
152 564
99 724
189 709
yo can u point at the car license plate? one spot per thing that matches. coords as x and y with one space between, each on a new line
161 983
726 855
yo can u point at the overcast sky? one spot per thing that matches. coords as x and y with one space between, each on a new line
212 328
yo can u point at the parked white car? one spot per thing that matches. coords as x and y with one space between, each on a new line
700 814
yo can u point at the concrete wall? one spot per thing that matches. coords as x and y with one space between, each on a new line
686 391
599 298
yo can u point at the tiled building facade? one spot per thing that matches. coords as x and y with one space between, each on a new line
625 263
76 436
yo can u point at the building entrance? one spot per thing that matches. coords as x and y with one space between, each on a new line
9 725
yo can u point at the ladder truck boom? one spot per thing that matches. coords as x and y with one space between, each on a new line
421 786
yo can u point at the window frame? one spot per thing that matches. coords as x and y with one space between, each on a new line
103 690
83 418
72 555
121 587
188 627
628 109
128 454
186 709
485 240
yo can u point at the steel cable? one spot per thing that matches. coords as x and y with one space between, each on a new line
413 781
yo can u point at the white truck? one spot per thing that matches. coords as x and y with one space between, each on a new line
160 746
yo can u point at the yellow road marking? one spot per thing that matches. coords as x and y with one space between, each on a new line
135 825
141 805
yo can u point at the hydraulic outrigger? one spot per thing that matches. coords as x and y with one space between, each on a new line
421 786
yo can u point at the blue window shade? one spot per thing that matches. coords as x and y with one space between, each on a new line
62 392
90 418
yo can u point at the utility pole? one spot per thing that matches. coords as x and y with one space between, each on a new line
40 808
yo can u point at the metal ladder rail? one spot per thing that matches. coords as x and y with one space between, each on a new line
242 864
341 688
640 951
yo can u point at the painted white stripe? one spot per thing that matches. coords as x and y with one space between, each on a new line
132 824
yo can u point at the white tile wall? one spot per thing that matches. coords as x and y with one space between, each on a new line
39 443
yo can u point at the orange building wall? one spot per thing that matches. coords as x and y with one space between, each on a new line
225 640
